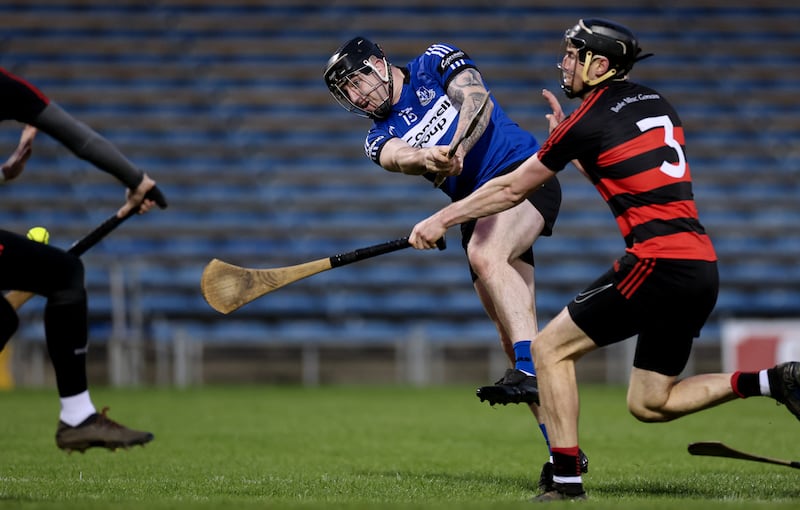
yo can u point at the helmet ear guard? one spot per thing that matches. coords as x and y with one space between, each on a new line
600 37
600 79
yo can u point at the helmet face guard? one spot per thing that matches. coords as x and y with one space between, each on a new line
345 69
593 37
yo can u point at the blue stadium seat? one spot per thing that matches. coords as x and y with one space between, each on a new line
223 104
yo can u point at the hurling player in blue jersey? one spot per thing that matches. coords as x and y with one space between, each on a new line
417 111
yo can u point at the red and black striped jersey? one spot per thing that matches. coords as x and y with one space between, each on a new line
21 100
630 143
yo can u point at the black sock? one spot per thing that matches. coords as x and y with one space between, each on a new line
774 379
565 462
66 331
745 384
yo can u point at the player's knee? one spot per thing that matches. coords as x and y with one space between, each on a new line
648 412
76 273
69 278
481 263
543 352
644 414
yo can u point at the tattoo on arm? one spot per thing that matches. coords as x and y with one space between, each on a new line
463 80
467 91
479 129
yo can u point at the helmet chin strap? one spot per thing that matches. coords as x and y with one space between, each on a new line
585 75
587 83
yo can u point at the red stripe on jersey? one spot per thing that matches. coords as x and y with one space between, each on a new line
651 139
640 183
27 84
684 245
636 277
635 216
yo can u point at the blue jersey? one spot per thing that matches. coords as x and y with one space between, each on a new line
425 117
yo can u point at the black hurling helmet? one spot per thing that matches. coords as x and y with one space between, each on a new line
602 37
351 58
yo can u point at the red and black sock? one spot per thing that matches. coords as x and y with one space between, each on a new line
567 471
566 462
745 384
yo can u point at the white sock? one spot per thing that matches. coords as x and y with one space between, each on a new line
567 479
75 409
763 381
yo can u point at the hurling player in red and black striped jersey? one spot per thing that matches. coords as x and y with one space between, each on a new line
629 142
56 274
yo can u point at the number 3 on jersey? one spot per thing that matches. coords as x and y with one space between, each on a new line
672 169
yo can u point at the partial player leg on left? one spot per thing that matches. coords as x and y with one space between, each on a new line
59 277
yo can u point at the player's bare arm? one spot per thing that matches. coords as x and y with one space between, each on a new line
16 162
498 194
467 92
398 156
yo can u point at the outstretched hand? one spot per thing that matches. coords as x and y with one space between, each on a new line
16 162
555 118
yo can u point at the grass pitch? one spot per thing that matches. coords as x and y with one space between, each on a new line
386 447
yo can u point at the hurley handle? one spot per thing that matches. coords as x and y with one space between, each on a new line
92 238
375 250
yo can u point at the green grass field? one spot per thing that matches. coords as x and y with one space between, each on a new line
386 447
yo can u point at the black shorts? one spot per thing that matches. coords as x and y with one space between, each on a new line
35 267
664 301
546 200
